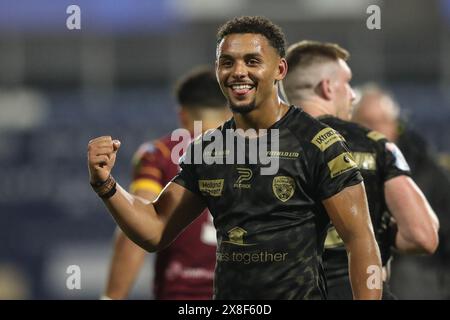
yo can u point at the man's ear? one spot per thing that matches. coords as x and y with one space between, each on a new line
325 89
282 69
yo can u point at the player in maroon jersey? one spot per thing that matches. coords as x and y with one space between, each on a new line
185 269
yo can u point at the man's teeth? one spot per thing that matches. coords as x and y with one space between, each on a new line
241 87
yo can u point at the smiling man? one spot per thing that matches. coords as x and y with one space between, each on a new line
270 228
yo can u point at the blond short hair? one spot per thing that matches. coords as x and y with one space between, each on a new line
304 53
301 58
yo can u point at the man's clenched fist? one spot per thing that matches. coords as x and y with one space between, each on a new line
101 157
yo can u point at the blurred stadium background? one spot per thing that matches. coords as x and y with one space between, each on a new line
59 88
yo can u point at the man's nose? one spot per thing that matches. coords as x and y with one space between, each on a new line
240 70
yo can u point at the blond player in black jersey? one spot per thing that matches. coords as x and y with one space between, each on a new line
318 81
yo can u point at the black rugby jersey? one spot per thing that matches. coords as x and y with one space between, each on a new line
379 160
271 228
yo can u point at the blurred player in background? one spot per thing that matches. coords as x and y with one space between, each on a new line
378 110
318 81
185 269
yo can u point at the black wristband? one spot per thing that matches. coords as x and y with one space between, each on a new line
110 193
105 189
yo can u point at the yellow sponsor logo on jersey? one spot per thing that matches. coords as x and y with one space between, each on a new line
333 240
342 163
236 235
212 187
326 138
365 160
375 135
283 187
283 154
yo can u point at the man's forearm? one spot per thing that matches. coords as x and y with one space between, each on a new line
136 217
365 269
408 245
125 265
349 213
417 223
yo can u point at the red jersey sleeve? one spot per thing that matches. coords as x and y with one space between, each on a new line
150 167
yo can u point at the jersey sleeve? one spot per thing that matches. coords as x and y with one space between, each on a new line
187 176
148 168
333 166
393 163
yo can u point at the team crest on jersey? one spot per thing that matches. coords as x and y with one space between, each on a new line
211 188
283 187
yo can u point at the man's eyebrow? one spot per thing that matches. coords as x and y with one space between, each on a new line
225 56
253 55
247 55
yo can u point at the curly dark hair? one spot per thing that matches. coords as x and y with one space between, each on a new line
199 89
259 25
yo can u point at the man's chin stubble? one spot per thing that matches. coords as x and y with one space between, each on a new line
242 109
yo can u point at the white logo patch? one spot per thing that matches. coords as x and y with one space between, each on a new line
400 161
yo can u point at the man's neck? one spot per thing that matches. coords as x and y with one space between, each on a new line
263 117
314 108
